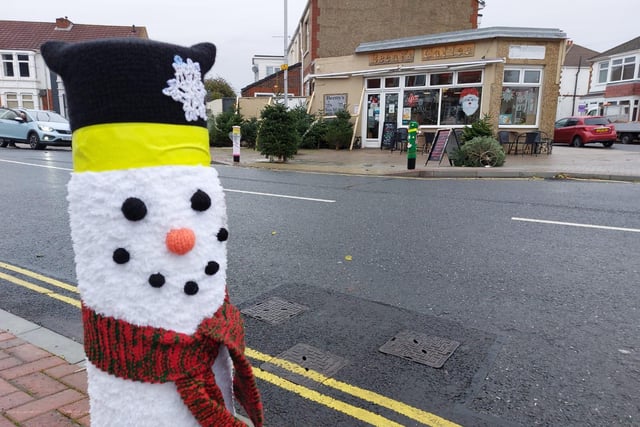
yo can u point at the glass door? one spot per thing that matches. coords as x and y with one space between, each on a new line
391 107
373 118
381 107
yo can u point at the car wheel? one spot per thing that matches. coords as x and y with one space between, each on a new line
626 138
577 142
34 142
608 144
3 143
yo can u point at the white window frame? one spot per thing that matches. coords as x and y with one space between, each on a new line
14 58
524 71
603 72
619 65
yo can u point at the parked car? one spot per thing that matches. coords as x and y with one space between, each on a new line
38 128
580 130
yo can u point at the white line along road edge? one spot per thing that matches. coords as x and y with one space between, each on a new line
574 224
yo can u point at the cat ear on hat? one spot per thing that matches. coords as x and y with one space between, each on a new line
205 54
54 54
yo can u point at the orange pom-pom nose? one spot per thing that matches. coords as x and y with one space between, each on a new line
180 241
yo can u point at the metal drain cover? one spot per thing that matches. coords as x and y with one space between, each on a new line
425 349
309 358
274 310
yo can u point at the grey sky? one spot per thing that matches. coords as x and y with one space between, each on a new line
243 28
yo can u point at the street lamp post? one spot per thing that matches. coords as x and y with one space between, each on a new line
286 57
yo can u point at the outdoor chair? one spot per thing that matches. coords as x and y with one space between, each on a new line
507 139
400 140
428 140
529 141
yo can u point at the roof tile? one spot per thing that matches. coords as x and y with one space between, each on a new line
15 35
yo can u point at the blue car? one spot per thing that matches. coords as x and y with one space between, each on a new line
38 128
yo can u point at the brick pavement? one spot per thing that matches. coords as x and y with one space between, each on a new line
38 388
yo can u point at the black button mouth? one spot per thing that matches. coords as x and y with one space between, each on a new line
191 288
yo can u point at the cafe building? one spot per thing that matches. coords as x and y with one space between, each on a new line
445 80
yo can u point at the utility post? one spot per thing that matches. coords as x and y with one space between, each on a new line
285 64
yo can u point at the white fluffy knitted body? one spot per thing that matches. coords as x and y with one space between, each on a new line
123 290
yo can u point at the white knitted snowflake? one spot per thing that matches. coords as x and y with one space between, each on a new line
187 88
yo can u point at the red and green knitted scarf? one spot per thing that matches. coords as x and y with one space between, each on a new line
156 355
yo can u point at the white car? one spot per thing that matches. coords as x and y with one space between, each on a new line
38 128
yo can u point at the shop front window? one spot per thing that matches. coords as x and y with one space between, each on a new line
511 76
441 79
520 98
392 82
467 77
373 83
460 106
421 106
532 76
451 98
415 81
519 105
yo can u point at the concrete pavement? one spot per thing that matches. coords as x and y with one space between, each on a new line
42 375
590 162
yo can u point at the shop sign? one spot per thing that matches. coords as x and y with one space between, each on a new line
450 51
526 52
334 103
394 57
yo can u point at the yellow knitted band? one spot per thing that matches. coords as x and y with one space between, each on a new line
113 146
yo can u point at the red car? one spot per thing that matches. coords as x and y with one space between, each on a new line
580 130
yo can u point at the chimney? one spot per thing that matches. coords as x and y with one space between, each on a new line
63 24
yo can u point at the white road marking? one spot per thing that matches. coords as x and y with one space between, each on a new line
280 195
575 224
36 165
310 199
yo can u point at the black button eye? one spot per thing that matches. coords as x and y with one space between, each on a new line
200 201
134 209
121 256
211 268
222 235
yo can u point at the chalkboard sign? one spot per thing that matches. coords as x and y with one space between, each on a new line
454 143
388 135
439 145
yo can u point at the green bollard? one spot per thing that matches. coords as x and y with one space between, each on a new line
412 145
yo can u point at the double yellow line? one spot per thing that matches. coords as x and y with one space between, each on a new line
364 415
36 288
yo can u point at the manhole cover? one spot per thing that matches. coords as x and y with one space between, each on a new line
274 310
310 359
426 349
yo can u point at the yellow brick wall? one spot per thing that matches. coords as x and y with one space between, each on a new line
344 24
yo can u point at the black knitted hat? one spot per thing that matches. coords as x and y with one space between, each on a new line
131 80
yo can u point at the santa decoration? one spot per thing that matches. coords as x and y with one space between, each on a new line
470 101
149 229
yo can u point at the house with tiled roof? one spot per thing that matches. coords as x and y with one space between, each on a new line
574 80
25 80
615 82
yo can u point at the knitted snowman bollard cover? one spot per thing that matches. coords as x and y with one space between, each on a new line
149 229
